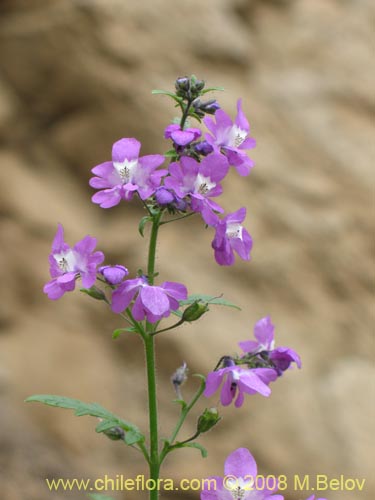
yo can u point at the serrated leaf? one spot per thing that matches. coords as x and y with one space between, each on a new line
209 299
132 433
142 224
98 496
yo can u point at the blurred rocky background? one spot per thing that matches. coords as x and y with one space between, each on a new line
76 75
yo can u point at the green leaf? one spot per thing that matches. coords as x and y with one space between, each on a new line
198 446
116 333
132 433
211 89
171 154
142 223
94 292
209 299
166 92
98 496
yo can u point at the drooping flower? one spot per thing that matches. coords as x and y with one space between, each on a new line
67 264
281 357
238 381
151 302
240 481
199 182
126 174
231 138
113 275
181 137
168 198
231 237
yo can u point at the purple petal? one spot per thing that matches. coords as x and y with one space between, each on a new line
127 148
249 345
103 170
241 120
85 246
176 290
214 166
240 463
58 241
154 300
250 382
182 137
264 332
223 120
227 391
151 161
213 382
107 198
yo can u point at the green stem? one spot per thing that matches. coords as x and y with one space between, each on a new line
169 327
184 413
149 343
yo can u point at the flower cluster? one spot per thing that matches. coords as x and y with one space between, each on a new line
252 372
196 171
68 264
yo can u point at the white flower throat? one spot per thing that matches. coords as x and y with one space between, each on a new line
203 184
237 136
126 169
66 261
234 230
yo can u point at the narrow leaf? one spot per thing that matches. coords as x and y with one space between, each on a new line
170 94
211 89
142 224
209 299
195 445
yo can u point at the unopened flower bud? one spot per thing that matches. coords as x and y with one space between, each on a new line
203 148
210 106
197 86
163 196
209 418
113 274
194 311
182 85
115 433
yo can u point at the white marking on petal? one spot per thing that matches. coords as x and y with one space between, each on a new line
126 169
66 261
234 230
236 136
203 184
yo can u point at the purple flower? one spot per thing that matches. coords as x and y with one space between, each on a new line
181 137
126 174
239 481
67 264
231 138
238 381
199 181
281 357
113 274
164 197
152 302
231 237
203 148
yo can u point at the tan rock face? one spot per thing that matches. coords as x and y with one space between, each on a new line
75 77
